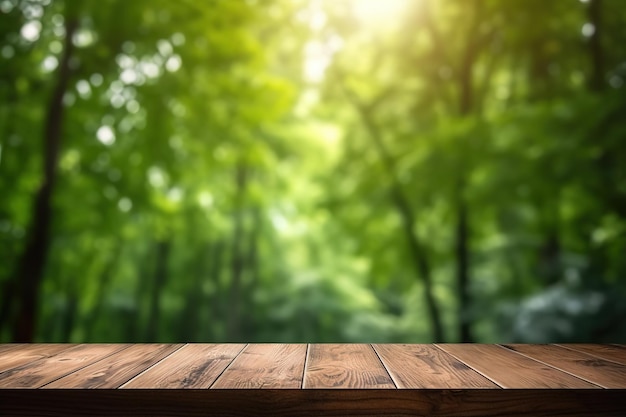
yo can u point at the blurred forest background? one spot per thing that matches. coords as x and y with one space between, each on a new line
313 170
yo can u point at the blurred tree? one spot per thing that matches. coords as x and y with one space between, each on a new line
312 170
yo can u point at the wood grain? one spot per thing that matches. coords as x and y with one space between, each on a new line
40 372
615 353
322 402
436 380
192 366
601 372
265 366
115 369
345 366
512 370
14 355
425 366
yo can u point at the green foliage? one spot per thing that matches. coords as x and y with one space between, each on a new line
238 170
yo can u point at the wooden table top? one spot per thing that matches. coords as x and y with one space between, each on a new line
331 379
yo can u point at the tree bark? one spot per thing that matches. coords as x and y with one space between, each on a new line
30 267
596 81
216 299
103 286
462 230
462 266
160 277
233 329
401 202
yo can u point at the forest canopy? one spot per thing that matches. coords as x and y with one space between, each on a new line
312 170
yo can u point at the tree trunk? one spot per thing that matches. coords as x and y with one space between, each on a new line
30 267
233 329
216 300
462 266
103 286
160 277
252 271
190 316
401 202
596 80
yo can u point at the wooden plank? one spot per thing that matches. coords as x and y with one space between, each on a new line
192 366
116 369
265 366
512 370
425 366
305 402
38 373
613 353
12 346
604 373
345 366
14 355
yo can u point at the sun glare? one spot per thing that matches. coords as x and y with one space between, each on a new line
378 11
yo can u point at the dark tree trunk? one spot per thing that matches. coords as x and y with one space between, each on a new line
252 271
69 317
596 80
190 317
462 230
233 329
30 267
216 300
401 202
462 266
103 286
160 278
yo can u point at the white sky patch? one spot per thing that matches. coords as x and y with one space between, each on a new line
317 19
133 106
128 76
205 199
6 6
317 57
588 30
280 222
175 195
33 11
156 177
83 88
165 48
178 39
31 30
49 63
173 63
84 38
117 101
106 135
124 204
379 11
149 69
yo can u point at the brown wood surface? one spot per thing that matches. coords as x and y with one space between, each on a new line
595 370
192 366
301 380
117 368
14 355
315 402
512 370
345 366
615 353
40 372
265 366
425 366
